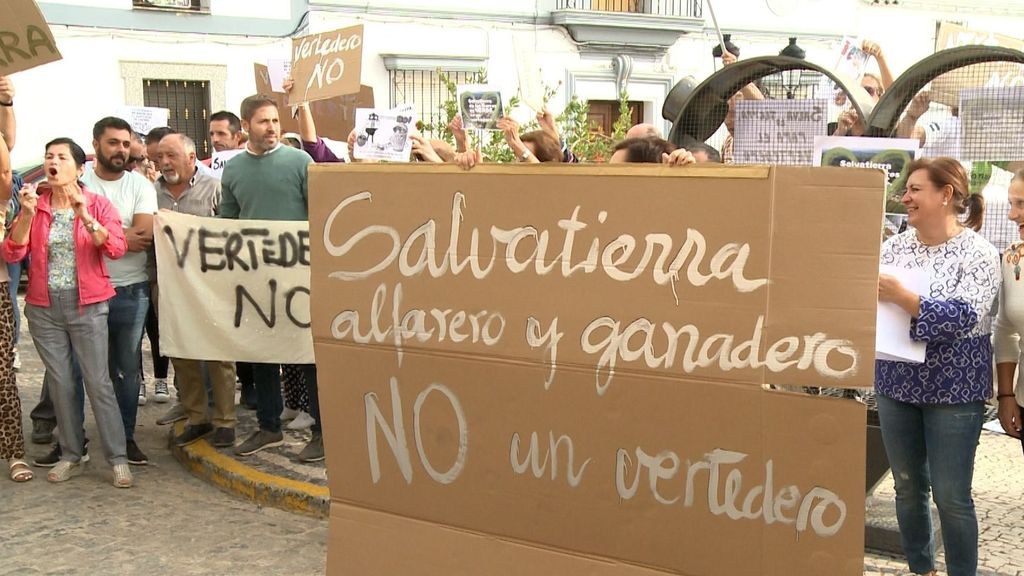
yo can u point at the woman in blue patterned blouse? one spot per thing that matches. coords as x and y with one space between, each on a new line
931 413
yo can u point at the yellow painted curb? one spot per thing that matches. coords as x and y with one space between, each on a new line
228 474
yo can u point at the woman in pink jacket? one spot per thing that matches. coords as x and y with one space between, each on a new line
68 230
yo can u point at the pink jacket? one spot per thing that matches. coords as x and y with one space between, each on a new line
93 281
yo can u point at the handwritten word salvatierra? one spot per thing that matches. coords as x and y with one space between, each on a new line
420 251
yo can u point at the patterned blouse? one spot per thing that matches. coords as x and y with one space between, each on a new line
954 321
63 270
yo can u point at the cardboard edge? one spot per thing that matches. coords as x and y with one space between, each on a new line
698 171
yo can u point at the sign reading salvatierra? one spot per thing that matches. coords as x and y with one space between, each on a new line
235 290
25 38
559 371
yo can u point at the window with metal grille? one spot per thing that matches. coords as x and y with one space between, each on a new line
425 90
189 105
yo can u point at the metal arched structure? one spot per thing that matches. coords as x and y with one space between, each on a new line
698 112
887 112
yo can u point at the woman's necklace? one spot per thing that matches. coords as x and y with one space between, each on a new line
1013 256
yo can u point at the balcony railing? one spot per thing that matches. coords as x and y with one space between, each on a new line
681 8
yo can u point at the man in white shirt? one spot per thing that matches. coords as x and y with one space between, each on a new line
135 199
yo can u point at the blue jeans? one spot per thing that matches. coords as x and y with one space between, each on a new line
128 310
931 447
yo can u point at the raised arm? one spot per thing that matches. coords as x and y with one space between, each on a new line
8 124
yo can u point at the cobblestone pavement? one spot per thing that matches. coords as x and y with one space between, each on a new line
169 523
173 522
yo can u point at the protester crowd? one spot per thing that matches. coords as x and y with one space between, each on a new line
85 236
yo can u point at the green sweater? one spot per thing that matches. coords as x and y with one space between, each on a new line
268 187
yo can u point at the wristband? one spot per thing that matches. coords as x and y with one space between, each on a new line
1001 396
7 104
525 155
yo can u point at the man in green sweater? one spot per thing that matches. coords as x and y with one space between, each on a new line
269 182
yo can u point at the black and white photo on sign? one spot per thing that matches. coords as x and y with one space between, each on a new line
384 134
778 131
480 106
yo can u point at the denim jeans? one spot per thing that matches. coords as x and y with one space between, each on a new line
128 310
931 447
56 329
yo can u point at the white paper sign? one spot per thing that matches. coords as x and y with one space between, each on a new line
531 88
251 306
778 131
892 334
384 134
278 69
143 118
852 60
220 159
992 124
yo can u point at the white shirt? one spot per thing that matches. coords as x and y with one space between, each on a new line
1010 321
131 194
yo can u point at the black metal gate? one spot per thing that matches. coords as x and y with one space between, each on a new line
189 105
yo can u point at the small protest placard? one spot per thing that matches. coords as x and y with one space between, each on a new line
25 38
384 134
278 69
890 154
480 106
852 60
778 131
992 123
327 64
220 159
143 118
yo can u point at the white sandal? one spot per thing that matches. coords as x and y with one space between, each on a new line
64 470
20 472
122 476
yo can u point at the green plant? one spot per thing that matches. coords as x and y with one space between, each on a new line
573 124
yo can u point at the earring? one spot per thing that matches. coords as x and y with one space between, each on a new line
944 202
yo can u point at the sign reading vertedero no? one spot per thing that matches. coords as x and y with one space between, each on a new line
327 64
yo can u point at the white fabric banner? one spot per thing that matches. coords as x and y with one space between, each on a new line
235 290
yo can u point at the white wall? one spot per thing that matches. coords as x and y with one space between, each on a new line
65 98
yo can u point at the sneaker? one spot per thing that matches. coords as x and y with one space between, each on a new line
135 456
142 394
289 413
53 457
314 451
42 431
192 433
177 412
64 470
17 360
301 422
258 441
223 438
161 395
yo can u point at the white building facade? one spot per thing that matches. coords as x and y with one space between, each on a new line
199 58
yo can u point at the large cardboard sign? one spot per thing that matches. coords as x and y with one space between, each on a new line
327 64
25 38
560 370
334 117
235 290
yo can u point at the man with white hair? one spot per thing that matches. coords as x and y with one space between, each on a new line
183 188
